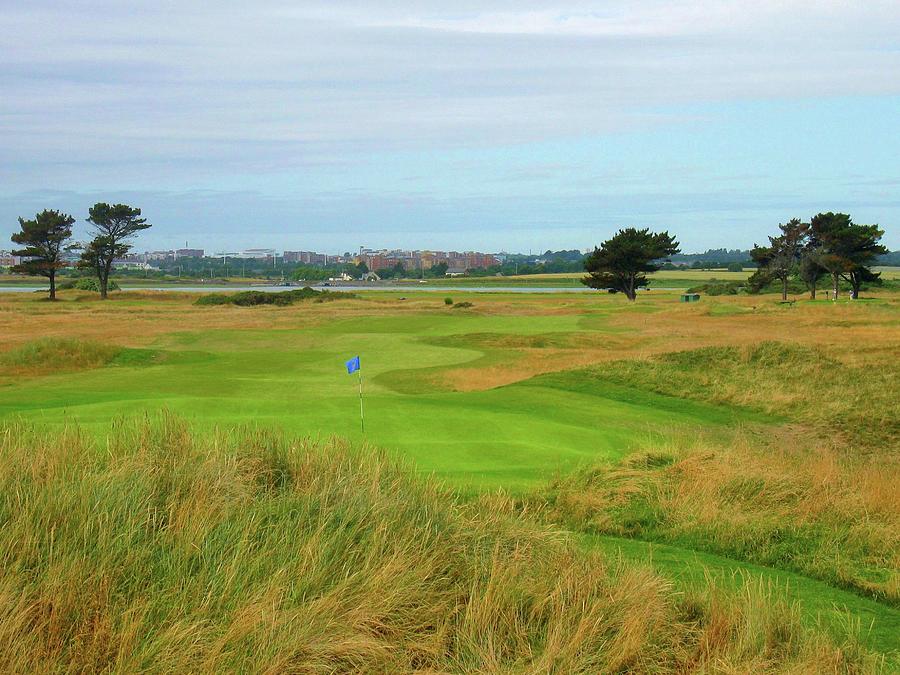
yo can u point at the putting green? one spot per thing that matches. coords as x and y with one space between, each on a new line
512 437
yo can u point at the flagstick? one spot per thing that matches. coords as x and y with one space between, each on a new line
362 423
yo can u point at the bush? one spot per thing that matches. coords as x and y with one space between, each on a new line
735 267
448 301
281 299
463 305
87 284
213 299
719 288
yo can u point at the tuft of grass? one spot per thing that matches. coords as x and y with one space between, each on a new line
53 355
163 551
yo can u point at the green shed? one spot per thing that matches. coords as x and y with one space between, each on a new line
690 297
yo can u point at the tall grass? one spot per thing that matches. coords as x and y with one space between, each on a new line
857 402
812 510
159 550
52 355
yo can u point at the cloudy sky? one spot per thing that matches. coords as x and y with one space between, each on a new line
504 125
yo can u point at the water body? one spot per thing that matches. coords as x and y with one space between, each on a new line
394 289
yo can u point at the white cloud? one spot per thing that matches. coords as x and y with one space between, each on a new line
171 95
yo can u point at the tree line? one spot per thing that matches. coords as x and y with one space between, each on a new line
46 239
830 245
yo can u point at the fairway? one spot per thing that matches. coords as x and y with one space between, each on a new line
511 437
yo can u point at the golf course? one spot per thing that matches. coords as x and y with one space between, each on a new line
734 450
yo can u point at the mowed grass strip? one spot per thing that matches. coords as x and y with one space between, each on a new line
821 605
159 550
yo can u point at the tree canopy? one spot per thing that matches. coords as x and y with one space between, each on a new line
114 227
44 239
620 263
847 250
780 259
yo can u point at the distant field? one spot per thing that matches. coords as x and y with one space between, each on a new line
573 405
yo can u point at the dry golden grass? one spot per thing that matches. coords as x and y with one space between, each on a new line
655 324
249 552
812 509
846 332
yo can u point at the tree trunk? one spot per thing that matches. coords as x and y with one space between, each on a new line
629 289
835 278
52 284
104 281
784 284
855 283
812 290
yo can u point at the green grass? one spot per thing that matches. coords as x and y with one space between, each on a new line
858 402
515 437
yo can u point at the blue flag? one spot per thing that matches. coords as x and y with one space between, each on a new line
353 365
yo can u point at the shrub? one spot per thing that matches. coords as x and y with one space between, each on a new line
281 299
214 299
463 305
448 301
719 288
87 284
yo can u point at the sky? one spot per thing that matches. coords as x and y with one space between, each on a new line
489 125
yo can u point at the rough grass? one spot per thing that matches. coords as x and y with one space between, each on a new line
161 551
816 512
53 355
858 402
820 499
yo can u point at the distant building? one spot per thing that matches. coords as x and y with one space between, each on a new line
147 256
423 260
257 253
189 253
306 257
7 259
131 265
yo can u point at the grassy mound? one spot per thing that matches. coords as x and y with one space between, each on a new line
53 355
161 551
282 298
855 402
809 512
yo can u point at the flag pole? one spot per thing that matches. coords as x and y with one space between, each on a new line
362 423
